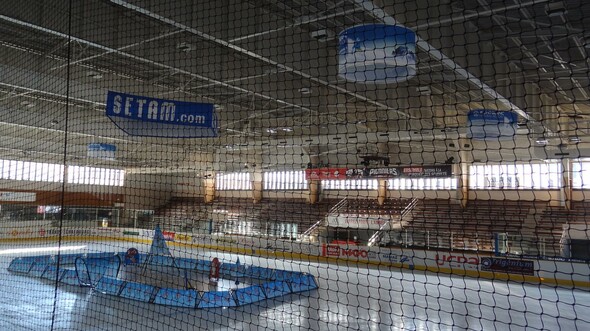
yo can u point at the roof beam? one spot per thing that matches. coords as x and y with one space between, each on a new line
382 16
253 55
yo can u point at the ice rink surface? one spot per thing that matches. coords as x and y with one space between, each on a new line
349 298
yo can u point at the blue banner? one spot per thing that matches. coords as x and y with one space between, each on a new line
153 117
377 54
489 124
101 151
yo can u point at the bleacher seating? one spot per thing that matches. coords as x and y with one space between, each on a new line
473 226
291 211
372 207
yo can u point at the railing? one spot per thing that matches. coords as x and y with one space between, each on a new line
334 210
337 207
376 237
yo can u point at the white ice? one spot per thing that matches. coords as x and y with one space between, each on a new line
349 297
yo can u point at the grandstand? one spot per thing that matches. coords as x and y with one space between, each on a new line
417 164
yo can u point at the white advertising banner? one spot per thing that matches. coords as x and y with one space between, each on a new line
18 196
480 265
357 221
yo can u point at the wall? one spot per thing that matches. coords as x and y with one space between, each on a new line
148 191
188 185
514 268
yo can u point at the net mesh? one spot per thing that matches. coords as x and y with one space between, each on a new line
321 165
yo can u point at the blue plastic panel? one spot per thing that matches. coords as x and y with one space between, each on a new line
259 272
184 263
21 264
285 274
82 272
276 289
50 272
203 265
302 283
67 258
102 267
42 259
217 299
162 260
138 291
249 294
232 269
177 297
108 285
69 277
101 255
38 269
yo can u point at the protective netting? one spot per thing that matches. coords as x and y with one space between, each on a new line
292 165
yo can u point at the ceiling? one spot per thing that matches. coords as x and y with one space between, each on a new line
271 68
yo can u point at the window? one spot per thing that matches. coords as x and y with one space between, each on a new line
447 183
536 175
95 176
350 184
581 174
233 181
48 172
284 180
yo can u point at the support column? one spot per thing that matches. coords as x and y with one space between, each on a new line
314 185
461 170
566 190
257 185
257 182
209 182
381 191
314 191
383 150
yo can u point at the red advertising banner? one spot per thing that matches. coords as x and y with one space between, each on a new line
439 171
325 173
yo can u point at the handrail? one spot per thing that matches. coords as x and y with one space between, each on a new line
312 228
379 233
317 224
409 208
336 208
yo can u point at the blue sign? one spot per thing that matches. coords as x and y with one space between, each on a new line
489 124
145 116
101 151
377 53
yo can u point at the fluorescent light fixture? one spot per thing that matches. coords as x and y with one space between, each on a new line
555 9
305 90
27 104
94 74
542 141
40 249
